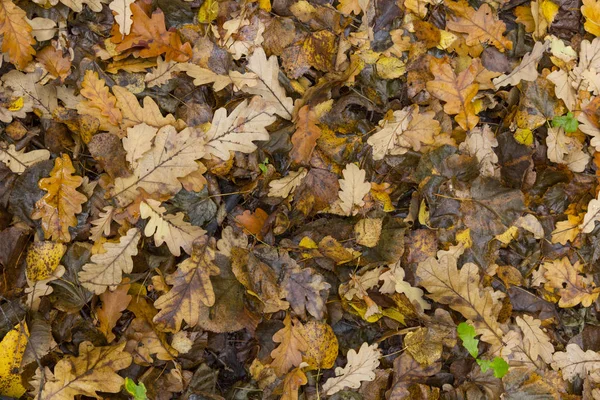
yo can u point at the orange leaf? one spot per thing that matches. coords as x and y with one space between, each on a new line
95 90
457 91
113 304
17 39
58 207
305 137
481 26
150 38
54 62
253 223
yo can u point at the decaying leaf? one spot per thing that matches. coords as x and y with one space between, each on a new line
564 278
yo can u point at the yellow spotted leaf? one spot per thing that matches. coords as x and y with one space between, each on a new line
12 348
322 343
42 259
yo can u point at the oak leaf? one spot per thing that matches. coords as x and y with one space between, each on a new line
138 142
480 143
149 37
94 370
460 290
406 129
173 155
122 12
481 26
268 86
288 353
16 34
134 114
113 305
360 367
191 286
353 189
526 70
77 5
58 207
567 231
203 76
393 282
574 362
168 228
292 382
237 132
230 239
564 278
105 270
19 160
306 291
458 91
259 279
284 186
101 225
54 62
304 139
591 12
100 102
535 341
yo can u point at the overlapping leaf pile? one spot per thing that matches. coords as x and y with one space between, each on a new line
300 199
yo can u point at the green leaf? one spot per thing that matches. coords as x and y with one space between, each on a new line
467 333
500 367
568 122
137 391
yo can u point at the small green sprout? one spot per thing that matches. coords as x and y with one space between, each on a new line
467 334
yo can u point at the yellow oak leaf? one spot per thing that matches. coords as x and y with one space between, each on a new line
12 348
58 207
16 33
101 103
591 12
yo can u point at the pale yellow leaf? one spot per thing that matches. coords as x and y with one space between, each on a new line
359 368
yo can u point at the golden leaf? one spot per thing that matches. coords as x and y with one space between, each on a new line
304 139
12 348
58 207
100 102
322 345
113 304
591 12
16 33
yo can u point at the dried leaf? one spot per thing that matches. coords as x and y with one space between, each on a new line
458 91
535 341
284 186
151 35
12 348
191 286
16 33
360 367
105 269
95 369
19 160
58 207
407 129
168 228
268 86
572 288
239 130
288 353
306 290
304 139
122 12
353 189
577 363
113 305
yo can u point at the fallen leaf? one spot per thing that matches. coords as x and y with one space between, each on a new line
191 286
360 367
62 201
304 139
113 305
288 353
18 40
563 277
